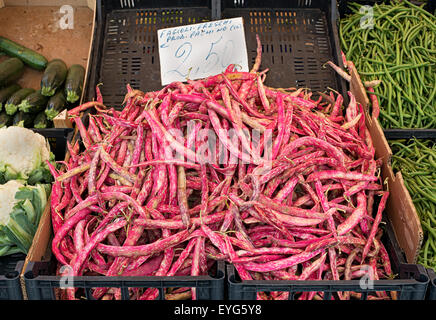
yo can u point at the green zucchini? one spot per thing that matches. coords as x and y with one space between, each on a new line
5 120
74 82
15 99
10 70
33 103
28 56
23 119
53 77
6 92
55 105
40 121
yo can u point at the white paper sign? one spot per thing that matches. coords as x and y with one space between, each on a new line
200 50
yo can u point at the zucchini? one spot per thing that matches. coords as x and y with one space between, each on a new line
53 77
15 99
5 120
40 121
28 56
55 105
23 119
74 82
6 92
33 103
10 70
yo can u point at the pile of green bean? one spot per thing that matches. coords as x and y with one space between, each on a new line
400 50
416 159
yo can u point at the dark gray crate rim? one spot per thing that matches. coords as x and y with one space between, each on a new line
10 270
40 285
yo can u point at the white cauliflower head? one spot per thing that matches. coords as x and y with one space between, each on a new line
7 199
22 150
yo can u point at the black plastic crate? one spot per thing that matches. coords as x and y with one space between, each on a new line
411 283
298 38
41 283
125 46
57 138
10 269
431 292
394 134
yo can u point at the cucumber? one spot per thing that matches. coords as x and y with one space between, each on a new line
55 105
23 119
33 103
10 70
15 99
53 77
74 82
6 92
5 120
28 56
40 121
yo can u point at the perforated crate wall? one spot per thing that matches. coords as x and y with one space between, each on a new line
129 53
298 38
295 45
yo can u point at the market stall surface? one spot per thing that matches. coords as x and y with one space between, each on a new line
38 28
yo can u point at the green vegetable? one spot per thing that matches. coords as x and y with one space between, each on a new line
20 213
5 120
33 103
10 70
55 105
416 161
24 155
40 121
6 92
74 82
23 119
53 77
400 51
11 105
28 56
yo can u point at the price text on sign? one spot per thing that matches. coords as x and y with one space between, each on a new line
200 50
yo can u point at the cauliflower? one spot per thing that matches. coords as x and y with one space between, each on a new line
7 199
23 155
21 207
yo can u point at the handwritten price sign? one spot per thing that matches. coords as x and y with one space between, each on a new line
200 50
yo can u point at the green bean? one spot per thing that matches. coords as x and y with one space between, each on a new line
432 95
419 173
426 15
428 227
431 161
427 244
432 244
415 159
400 51
387 116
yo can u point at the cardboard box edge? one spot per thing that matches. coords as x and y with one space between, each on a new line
401 221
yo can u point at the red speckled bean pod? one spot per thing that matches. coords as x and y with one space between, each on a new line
283 263
147 249
355 217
